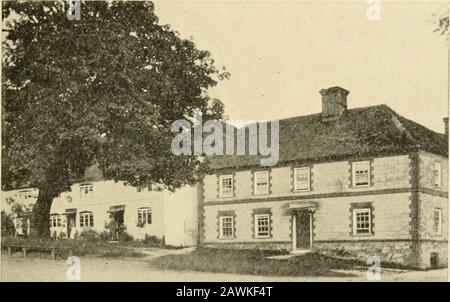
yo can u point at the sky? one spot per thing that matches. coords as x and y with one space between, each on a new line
281 53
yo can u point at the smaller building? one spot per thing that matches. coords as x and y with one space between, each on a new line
142 212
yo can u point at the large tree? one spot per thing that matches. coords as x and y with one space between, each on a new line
104 89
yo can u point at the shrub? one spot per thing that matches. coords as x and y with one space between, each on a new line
8 228
104 236
62 236
151 240
89 235
123 234
125 237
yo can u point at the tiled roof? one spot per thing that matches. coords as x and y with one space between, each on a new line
365 131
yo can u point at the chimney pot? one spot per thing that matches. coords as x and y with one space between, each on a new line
334 102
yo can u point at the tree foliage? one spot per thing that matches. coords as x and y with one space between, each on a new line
104 89
441 23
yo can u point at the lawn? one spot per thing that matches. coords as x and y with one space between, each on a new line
253 262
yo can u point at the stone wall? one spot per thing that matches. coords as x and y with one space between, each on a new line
427 248
400 252
331 220
392 172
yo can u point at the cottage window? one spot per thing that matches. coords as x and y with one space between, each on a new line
26 194
437 174
144 215
361 174
86 219
261 182
55 220
437 222
302 179
86 189
226 186
262 225
362 221
226 227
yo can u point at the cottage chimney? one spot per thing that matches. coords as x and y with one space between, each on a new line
334 102
446 125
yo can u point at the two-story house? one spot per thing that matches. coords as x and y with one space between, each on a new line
350 182
142 211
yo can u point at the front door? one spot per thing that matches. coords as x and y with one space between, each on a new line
70 224
119 217
303 230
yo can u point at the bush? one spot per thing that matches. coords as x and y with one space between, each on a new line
105 236
8 228
125 237
89 235
62 236
151 240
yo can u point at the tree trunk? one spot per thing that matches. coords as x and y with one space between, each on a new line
40 216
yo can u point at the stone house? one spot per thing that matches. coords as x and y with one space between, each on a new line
350 182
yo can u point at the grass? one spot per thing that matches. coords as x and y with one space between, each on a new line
78 247
254 262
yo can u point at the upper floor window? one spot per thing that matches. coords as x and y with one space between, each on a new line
144 215
226 185
361 174
86 219
302 179
262 225
226 227
261 182
86 189
25 194
55 220
362 221
437 174
437 222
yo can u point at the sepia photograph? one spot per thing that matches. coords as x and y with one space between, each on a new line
224 141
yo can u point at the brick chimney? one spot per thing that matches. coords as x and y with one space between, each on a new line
334 102
446 125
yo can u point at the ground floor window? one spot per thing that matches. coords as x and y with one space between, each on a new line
226 227
55 220
262 225
362 221
86 219
144 216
